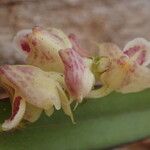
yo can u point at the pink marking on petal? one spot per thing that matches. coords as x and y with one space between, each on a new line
65 58
71 59
57 37
76 46
47 57
122 60
20 41
15 109
25 69
74 70
1 71
139 51
141 57
25 46
131 51
14 75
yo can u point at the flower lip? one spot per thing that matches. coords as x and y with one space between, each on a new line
138 50
15 106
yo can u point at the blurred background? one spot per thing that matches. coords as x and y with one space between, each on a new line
92 21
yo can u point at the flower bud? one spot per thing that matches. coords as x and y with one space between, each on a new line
78 77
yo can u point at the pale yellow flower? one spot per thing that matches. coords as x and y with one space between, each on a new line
31 91
41 47
128 70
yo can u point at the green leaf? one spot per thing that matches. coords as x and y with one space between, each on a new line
100 123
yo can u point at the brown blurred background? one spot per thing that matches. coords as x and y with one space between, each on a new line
91 20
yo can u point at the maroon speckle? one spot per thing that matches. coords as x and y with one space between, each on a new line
28 78
1 71
57 37
15 108
25 46
132 70
46 57
34 43
23 84
35 53
120 62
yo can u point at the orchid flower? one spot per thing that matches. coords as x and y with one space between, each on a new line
128 70
32 91
41 47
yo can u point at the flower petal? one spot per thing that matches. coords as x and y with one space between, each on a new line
18 110
115 75
35 85
3 94
44 47
78 77
109 50
32 113
65 103
20 41
135 81
49 112
138 50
